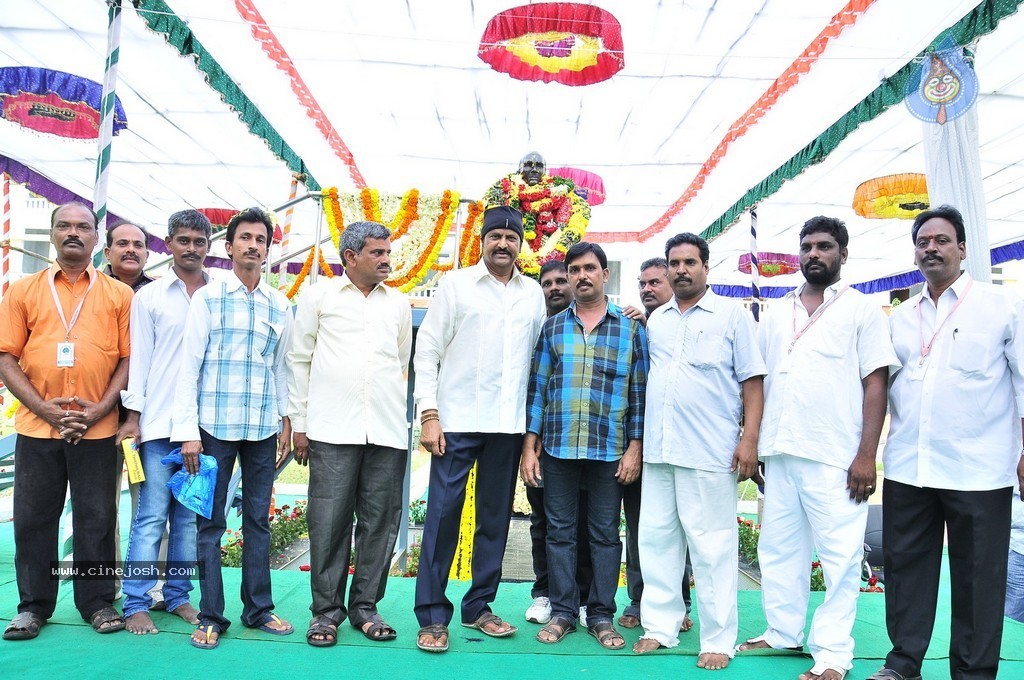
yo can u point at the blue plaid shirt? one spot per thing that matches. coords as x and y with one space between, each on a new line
233 381
586 394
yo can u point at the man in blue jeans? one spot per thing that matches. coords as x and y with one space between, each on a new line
1015 563
586 395
159 314
230 402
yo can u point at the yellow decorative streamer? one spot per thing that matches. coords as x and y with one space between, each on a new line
462 566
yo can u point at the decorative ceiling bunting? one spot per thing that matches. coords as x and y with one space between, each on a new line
892 197
589 186
771 264
563 42
219 217
944 86
54 102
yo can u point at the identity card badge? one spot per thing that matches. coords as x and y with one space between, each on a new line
65 354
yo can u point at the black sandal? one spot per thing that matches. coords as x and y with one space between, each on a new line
378 630
325 628
106 620
24 626
606 635
436 631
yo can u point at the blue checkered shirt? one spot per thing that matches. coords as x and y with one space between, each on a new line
233 381
586 394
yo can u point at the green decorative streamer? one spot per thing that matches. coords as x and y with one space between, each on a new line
161 19
981 21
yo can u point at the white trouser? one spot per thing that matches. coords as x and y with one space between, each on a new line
684 507
807 506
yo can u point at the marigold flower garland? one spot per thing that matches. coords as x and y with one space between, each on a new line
303 273
335 218
420 251
469 245
555 217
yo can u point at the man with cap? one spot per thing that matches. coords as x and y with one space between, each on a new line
472 366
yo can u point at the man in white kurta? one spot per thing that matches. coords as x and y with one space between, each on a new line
952 457
693 453
347 402
828 355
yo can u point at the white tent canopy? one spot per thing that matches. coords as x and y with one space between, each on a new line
400 85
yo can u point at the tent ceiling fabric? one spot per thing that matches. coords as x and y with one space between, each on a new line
405 92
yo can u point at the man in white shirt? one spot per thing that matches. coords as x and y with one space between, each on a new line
953 455
828 355
349 422
472 365
231 403
159 315
693 453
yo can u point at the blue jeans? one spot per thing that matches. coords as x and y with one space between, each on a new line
157 508
257 461
1015 585
563 480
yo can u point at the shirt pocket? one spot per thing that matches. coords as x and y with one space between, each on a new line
268 335
969 353
708 351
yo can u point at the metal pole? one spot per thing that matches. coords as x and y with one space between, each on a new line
106 131
315 269
755 271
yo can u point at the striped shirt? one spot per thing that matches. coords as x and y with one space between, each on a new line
233 381
586 392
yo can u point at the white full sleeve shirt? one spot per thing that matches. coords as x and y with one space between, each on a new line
955 417
813 396
474 348
347 365
159 315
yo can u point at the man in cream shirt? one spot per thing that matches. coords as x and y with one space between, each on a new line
828 356
346 399
472 364
953 455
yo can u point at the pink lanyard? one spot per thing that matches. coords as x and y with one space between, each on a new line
927 349
814 317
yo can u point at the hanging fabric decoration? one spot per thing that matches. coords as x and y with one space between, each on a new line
563 42
589 185
944 86
769 264
54 102
899 197
219 218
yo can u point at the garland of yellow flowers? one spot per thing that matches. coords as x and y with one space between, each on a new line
462 566
408 274
469 230
408 212
335 218
370 201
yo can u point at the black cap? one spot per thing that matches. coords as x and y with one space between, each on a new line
502 217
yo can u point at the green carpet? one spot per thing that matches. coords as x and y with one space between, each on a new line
68 647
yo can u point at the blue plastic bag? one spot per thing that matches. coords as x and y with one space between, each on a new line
195 492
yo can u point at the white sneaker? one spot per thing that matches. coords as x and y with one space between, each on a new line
583 616
539 611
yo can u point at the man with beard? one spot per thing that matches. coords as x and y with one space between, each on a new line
693 453
828 355
472 366
587 398
127 252
349 423
952 457
231 403
558 295
64 348
159 315
655 290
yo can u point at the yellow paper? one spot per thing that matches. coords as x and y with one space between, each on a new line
132 460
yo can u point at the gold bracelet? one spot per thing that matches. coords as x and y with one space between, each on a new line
427 418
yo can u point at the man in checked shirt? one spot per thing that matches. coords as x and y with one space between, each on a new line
586 394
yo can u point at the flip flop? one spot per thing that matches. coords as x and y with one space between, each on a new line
559 627
434 630
767 651
266 628
207 631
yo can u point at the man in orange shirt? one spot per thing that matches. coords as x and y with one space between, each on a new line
64 354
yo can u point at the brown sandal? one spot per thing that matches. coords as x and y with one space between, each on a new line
607 636
558 628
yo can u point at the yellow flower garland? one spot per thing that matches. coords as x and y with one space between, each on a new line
420 250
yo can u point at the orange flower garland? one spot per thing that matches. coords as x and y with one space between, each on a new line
469 246
324 267
407 278
370 201
335 218
303 273
408 212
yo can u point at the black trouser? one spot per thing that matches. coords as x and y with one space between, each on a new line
43 469
978 527
539 539
345 480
